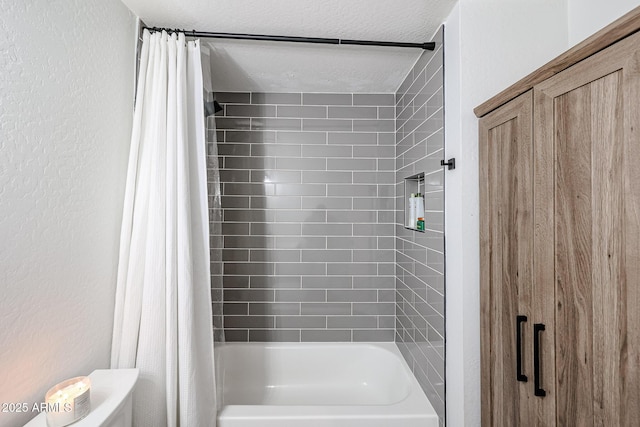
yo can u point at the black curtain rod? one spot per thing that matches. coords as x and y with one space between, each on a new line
319 40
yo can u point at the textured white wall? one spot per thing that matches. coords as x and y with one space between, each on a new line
588 16
66 94
488 46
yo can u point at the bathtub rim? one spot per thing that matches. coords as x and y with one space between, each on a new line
415 406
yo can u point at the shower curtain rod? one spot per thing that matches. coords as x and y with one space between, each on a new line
318 40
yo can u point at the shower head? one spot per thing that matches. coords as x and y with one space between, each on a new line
211 108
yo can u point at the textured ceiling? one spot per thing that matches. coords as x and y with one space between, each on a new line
273 67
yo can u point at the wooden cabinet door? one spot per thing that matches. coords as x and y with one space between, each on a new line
506 230
587 175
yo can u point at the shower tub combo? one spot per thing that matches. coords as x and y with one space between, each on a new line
320 385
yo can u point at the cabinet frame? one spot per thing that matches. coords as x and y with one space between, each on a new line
607 388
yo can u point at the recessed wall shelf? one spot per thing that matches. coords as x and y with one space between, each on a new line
413 184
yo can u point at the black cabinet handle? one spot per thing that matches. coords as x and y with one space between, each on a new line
537 328
519 375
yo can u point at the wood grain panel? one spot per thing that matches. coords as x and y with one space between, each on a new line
495 325
607 261
619 29
486 384
500 406
590 116
543 410
506 145
506 258
515 147
629 293
573 225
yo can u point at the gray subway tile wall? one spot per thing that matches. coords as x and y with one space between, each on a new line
307 184
217 229
419 267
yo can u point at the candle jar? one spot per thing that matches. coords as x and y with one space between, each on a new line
68 401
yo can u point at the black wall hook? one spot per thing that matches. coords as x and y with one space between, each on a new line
450 164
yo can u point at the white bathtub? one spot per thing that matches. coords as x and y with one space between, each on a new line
320 385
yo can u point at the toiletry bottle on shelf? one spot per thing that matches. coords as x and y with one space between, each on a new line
412 211
420 224
419 202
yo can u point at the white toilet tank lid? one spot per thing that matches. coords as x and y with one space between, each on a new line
109 389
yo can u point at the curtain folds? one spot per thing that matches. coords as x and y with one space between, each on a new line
162 323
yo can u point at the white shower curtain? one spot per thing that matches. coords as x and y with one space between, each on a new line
162 322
